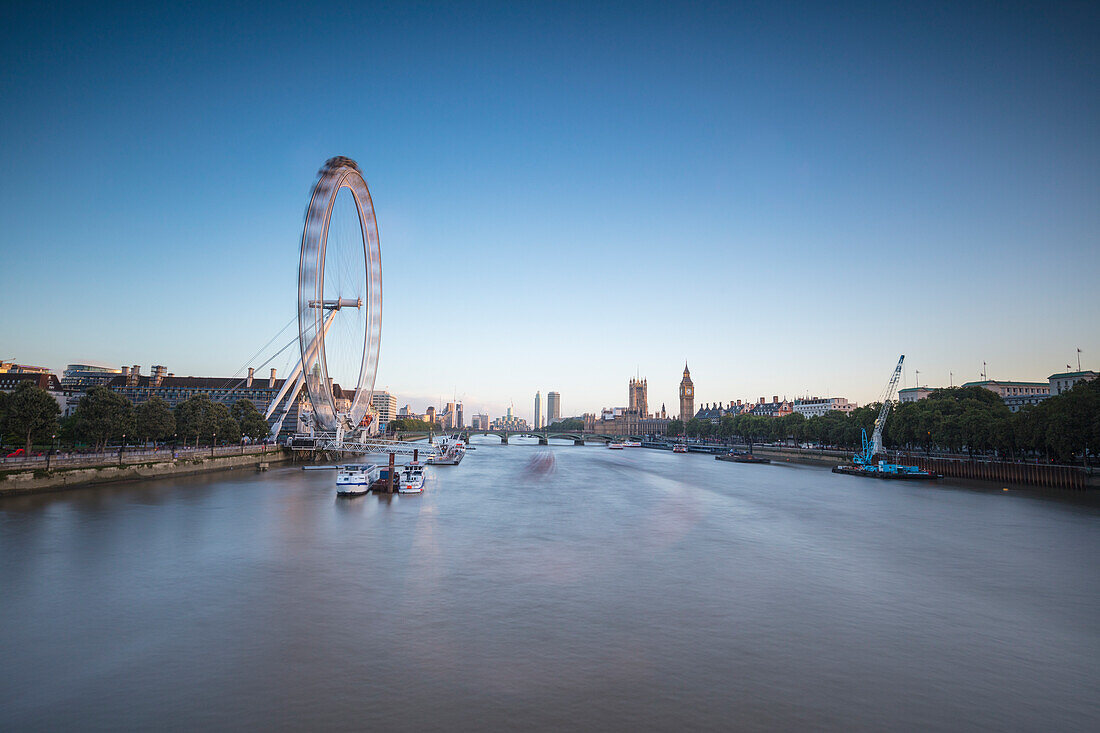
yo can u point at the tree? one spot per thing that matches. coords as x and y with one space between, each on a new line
226 428
675 427
154 420
790 426
195 418
31 413
409 425
568 425
251 422
102 416
5 398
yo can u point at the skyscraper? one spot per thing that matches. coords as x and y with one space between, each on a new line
538 410
553 407
687 396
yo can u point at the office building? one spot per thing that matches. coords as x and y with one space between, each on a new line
553 408
538 410
385 407
510 422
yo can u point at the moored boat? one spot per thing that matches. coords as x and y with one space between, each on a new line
412 478
452 455
679 448
616 446
888 471
354 479
741 457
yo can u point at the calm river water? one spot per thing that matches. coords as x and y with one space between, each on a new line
626 590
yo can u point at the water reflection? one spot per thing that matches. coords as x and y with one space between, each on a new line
622 590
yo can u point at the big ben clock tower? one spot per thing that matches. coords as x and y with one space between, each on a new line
687 396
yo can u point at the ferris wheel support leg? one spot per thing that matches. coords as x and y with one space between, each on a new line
295 377
289 403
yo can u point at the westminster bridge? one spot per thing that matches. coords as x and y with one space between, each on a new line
543 437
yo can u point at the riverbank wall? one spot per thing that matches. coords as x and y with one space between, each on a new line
1074 478
42 480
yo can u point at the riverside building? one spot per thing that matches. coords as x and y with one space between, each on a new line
818 406
83 376
138 388
630 420
384 405
714 413
775 408
1065 381
553 407
913 394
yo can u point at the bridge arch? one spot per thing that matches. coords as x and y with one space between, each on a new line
545 437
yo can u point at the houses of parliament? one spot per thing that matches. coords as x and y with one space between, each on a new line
635 418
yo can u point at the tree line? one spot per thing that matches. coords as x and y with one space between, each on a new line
411 425
974 420
102 417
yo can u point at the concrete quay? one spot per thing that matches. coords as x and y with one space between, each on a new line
16 482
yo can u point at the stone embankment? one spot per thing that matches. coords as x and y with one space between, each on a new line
1052 476
32 480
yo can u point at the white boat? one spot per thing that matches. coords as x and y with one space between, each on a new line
679 448
616 446
412 478
452 455
632 444
354 479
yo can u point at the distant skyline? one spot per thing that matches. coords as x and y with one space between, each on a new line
787 196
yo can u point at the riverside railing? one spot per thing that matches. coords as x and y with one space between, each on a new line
126 456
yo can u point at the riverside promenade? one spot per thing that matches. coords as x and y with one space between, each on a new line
1048 475
51 473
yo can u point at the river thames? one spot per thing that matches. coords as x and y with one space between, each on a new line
625 590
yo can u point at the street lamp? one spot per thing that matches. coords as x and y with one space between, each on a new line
121 447
213 443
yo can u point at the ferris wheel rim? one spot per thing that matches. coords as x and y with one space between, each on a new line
313 318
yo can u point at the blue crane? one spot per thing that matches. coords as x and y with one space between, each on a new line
873 447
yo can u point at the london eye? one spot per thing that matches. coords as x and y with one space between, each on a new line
339 303
339 297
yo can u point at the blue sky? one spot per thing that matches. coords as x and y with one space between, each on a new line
785 195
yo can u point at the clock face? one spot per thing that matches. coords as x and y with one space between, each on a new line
688 391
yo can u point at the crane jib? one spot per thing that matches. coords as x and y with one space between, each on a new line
870 450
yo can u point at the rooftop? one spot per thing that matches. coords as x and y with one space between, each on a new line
1006 382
